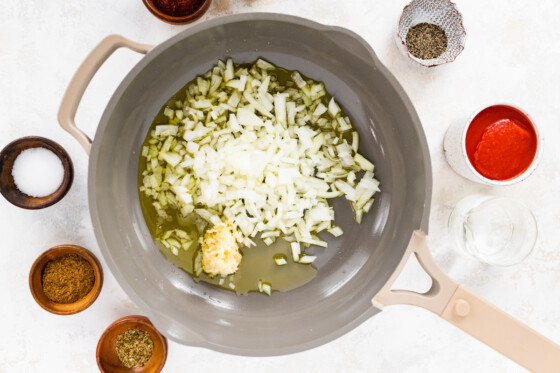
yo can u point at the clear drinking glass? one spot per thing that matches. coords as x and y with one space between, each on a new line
496 230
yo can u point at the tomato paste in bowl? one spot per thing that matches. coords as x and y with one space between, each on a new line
501 143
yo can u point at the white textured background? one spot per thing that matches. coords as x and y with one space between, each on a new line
512 54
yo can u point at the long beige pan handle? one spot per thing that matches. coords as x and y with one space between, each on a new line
472 314
82 78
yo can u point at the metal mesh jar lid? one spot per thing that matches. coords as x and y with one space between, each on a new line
442 13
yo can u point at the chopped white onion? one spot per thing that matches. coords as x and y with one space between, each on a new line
336 231
296 251
307 259
267 289
245 148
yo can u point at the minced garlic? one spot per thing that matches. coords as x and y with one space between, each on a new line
220 249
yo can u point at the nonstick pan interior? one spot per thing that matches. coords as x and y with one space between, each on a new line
354 266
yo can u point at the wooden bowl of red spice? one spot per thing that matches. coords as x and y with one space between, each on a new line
177 12
131 344
65 279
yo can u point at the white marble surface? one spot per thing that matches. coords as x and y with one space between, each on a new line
512 54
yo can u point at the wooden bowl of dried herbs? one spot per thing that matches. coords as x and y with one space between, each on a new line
131 344
65 279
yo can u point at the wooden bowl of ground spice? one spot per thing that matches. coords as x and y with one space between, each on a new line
177 12
131 344
66 279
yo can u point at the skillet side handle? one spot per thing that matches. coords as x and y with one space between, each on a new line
471 313
82 78
503 333
436 298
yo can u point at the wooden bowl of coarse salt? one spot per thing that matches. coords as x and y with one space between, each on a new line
35 172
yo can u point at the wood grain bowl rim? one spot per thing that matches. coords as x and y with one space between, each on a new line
177 20
131 320
11 152
35 280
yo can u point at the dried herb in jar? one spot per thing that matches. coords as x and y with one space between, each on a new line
134 348
67 279
426 41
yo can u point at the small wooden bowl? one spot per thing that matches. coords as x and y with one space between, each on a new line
106 354
177 20
8 187
36 284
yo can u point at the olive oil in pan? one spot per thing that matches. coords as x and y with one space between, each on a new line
257 265
258 261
